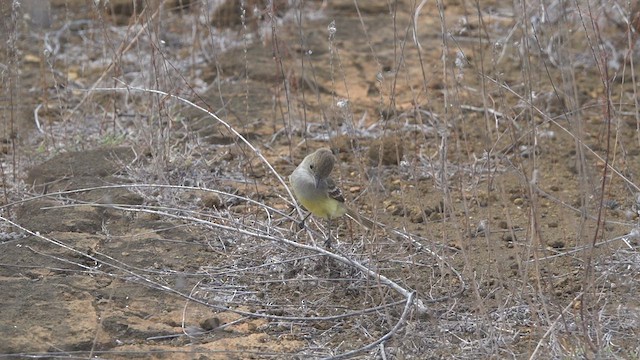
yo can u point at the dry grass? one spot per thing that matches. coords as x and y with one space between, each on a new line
507 186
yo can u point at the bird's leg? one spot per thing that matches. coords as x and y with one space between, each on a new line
327 243
301 223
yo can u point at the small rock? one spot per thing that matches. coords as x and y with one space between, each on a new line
439 208
210 323
484 199
630 215
435 216
481 228
212 201
508 237
386 151
557 244
416 215
31 59
240 209
394 208
611 204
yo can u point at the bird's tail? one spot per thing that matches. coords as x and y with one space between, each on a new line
367 223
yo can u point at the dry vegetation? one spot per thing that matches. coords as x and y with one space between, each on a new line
146 146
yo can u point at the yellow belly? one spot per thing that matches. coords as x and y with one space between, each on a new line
325 208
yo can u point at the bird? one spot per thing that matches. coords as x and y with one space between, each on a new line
314 189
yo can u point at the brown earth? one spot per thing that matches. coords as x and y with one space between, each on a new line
115 246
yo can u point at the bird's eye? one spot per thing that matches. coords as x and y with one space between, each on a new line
311 166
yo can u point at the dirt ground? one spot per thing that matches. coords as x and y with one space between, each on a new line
136 225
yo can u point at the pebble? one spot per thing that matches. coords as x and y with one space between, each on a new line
210 323
212 201
629 215
386 151
435 216
557 244
417 216
508 237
